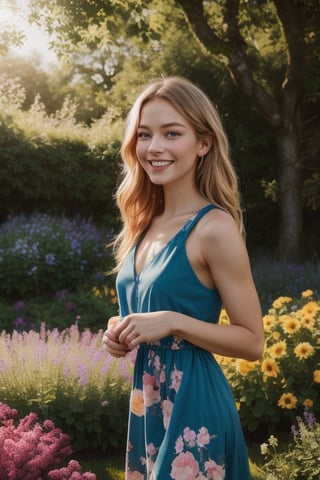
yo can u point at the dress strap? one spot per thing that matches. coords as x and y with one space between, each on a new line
195 219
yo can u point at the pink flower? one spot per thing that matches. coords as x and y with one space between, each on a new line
176 377
151 449
203 437
166 407
135 476
179 445
214 471
184 467
189 436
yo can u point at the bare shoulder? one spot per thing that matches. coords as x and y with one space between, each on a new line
218 225
219 237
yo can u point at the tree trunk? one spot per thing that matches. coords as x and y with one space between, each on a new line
289 190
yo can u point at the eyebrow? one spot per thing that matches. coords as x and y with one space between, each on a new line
166 125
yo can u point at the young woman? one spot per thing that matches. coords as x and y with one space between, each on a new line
181 256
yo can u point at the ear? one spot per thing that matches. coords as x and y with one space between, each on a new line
205 145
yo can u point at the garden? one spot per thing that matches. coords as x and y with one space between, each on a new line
64 399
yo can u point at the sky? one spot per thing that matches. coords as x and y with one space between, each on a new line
37 41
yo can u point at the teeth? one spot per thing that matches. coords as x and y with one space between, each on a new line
159 163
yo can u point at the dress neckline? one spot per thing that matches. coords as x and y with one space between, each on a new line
149 262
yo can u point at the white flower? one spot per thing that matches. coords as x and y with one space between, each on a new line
264 448
273 441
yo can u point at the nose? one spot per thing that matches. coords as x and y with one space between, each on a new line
155 145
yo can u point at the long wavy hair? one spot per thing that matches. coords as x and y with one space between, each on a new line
138 199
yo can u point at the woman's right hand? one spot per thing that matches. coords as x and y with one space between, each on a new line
111 340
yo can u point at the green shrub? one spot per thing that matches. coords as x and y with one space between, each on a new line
298 460
71 379
89 309
40 255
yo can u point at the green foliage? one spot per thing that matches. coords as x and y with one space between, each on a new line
69 378
298 460
40 255
51 164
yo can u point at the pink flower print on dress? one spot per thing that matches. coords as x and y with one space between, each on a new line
214 471
189 437
166 408
184 467
176 377
203 437
135 476
151 391
179 445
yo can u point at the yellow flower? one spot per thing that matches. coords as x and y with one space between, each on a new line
316 376
307 293
310 308
308 321
137 402
278 350
308 403
268 322
287 400
112 292
270 368
243 366
224 319
279 302
276 335
304 350
223 360
289 324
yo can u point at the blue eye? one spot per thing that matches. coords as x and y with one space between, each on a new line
143 135
173 134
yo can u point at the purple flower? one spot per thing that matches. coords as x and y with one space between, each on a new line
69 306
19 305
18 322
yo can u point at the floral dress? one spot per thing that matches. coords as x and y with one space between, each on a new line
183 424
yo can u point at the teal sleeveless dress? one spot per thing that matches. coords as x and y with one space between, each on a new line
183 424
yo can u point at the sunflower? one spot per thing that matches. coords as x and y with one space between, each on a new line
308 403
278 349
287 400
307 293
316 376
270 368
268 322
243 366
281 301
308 321
289 324
304 350
310 308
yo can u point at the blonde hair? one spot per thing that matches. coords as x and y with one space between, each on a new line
138 199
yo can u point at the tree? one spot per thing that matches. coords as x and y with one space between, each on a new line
266 45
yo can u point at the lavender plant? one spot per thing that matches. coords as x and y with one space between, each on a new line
70 378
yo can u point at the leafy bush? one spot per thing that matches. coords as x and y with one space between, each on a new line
89 309
300 460
51 163
286 378
30 450
69 378
41 254
272 277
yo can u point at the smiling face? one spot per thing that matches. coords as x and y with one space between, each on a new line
167 146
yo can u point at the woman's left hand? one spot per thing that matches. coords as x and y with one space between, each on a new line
139 328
